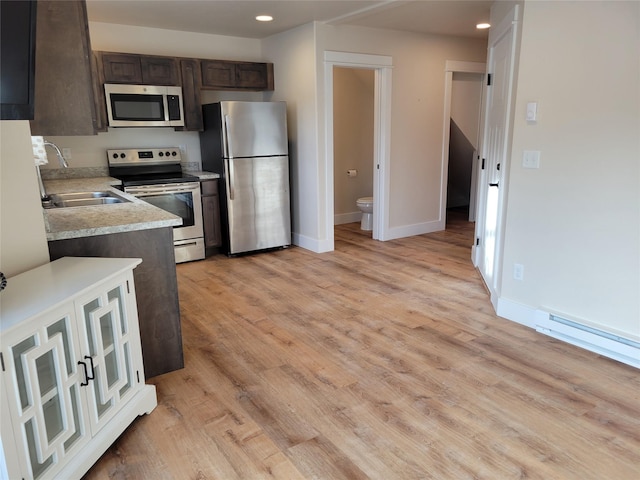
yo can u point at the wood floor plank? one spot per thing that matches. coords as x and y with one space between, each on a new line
380 360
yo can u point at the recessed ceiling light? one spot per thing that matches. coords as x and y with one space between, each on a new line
264 18
482 26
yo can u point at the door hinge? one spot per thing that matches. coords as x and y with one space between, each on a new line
138 375
378 166
128 291
477 241
488 79
2 360
482 167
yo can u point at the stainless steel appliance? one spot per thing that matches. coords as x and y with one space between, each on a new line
246 143
155 176
144 106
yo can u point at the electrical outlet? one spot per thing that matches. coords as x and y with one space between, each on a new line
518 271
66 153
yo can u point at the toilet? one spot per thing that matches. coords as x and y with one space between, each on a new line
365 204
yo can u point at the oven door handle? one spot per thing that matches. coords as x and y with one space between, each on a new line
139 192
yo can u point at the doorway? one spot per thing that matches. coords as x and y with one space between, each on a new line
353 140
381 66
462 124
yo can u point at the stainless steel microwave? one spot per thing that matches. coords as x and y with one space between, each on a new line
144 106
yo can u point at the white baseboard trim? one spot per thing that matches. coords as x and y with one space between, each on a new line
516 312
572 331
415 229
317 246
342 218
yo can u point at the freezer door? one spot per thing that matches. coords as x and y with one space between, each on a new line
258 203
254 129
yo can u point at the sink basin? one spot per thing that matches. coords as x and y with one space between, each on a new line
83 199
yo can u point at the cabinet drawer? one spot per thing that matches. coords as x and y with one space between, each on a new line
209 187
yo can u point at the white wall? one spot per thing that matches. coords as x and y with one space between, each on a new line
294 58
466 97
574 223
23 243
156 41
353 109
417 111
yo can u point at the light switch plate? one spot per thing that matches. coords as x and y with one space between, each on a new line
531 159
532 111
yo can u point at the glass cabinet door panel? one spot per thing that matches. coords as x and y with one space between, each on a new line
119 295
43 393
129 369
38 467
20 377
50 395
107 339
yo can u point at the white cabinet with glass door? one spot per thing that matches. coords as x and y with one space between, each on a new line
72 372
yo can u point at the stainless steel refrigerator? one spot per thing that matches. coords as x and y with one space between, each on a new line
246 143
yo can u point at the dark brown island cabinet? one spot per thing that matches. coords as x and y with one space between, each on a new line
156 288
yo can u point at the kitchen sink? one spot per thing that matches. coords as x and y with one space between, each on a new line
83 199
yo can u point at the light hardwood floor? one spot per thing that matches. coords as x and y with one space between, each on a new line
380 360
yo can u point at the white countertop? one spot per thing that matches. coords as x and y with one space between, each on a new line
77 222
44 288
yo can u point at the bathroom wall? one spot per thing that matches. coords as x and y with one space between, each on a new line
353 110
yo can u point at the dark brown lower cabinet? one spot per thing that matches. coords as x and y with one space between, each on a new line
211 216
156 288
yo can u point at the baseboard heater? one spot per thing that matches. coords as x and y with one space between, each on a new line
604 343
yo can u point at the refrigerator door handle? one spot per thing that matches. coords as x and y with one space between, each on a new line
227 129
231 178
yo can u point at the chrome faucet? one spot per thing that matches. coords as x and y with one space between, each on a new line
61 159
46 200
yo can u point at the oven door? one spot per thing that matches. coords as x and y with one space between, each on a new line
181 199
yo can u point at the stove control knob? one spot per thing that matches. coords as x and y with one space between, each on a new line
123 155
161 154
168 153
173 154
115 155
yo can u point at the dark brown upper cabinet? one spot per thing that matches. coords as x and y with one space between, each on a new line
231 75
64 79
191 85
139 69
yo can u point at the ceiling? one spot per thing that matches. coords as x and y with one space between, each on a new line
237 17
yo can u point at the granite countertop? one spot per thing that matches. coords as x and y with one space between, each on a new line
77 222
202 175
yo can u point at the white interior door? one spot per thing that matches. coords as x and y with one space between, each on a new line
492 181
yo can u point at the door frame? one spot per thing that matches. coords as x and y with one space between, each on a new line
382 66
451 67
